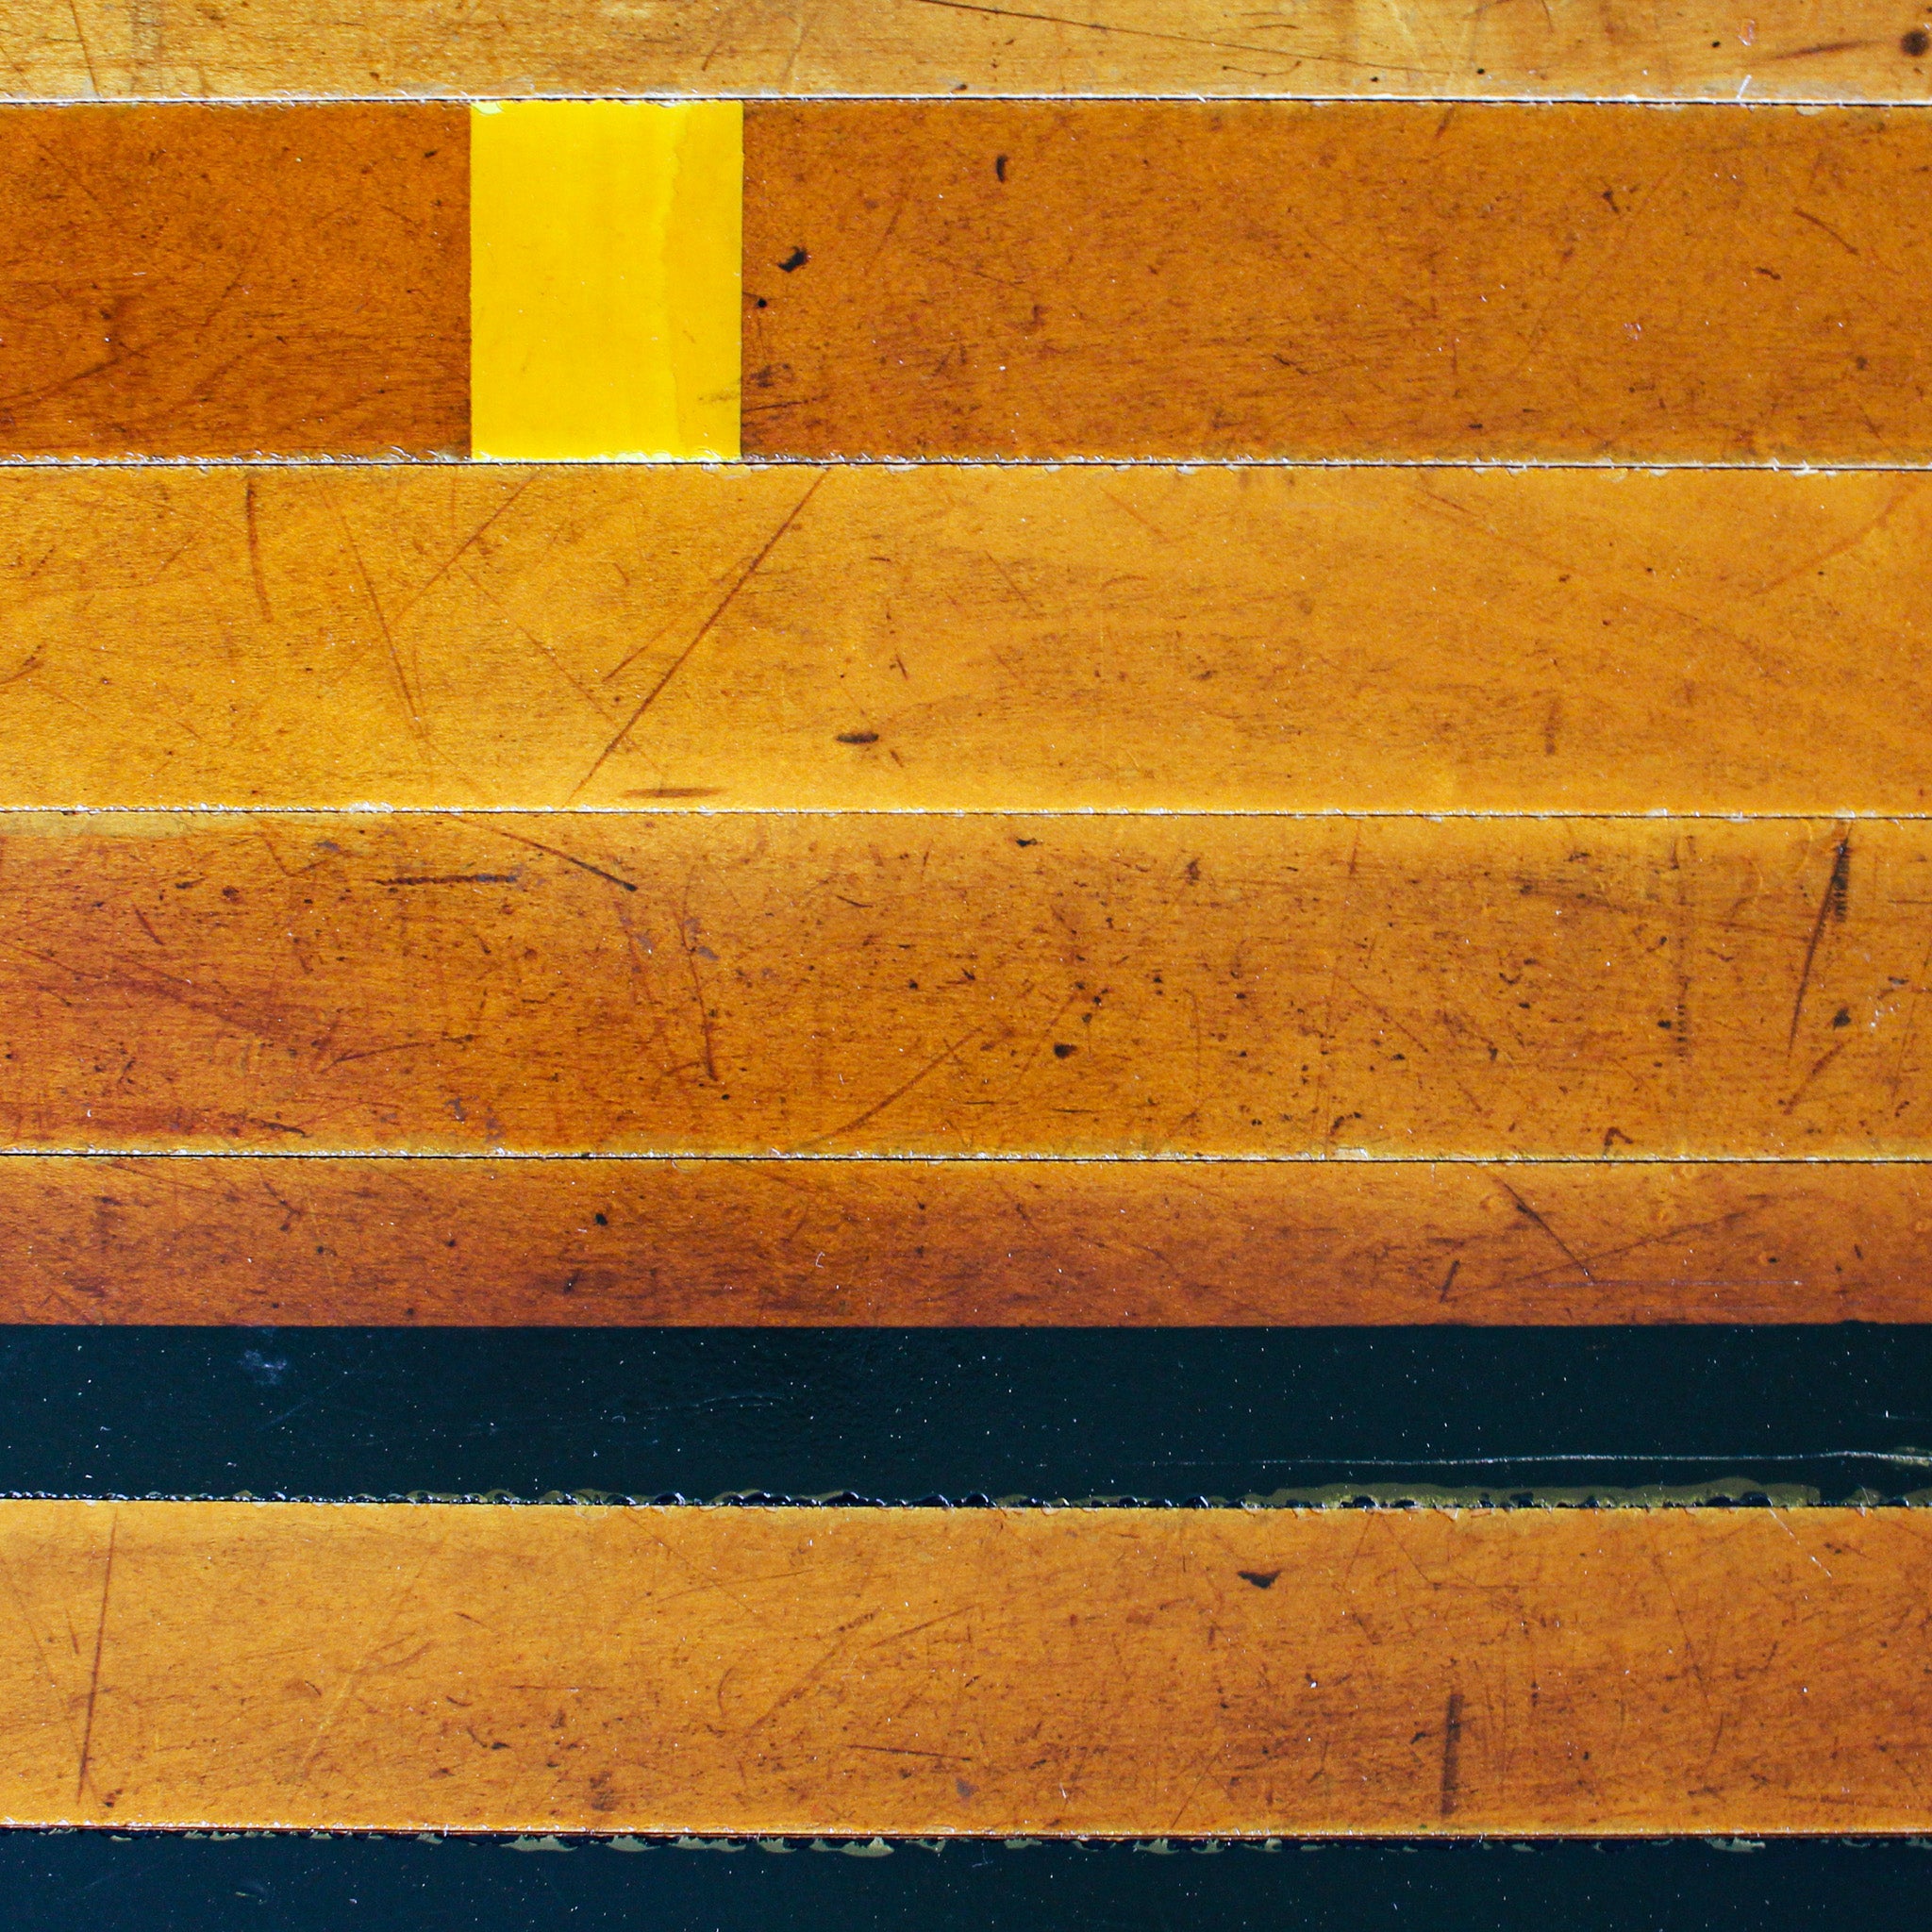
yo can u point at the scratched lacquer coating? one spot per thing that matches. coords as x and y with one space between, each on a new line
960 638
1732 49
1339 282
799 984
197 281
281 1241
923 1671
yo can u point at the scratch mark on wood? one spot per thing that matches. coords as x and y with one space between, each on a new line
93 1688
251 518
1451 1754
568 858
704 630
1522 1206
899 1092
1834 903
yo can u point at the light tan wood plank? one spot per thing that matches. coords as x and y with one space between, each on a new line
938 1243
947 639
918 1671
1360 280
1775 49
853 984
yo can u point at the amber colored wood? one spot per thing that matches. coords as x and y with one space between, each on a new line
195 281
925 1672
190 1241
1772 49
951 637
1361 280
855 984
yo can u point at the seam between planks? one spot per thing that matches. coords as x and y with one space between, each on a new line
670 808
673 1155
1660 102
432 460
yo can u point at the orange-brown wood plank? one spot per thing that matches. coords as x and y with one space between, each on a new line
957 984
1361 280
935 1243
925 1670
1759 49
946 638
202 281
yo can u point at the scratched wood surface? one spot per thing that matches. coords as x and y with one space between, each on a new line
1352 280
1358 280
966 639
1722 49
785 982
198 281
936 1243
920 1671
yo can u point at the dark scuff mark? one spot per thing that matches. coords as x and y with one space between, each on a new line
1452 1753
794 261
1915 44
678 792
454 879
859 738
1261 1579
999 166
1835 904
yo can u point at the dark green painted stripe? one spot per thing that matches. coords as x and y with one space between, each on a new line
897 1415
54 1883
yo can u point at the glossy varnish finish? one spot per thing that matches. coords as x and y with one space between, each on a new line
200 281
1335 282
1759 49
936 1243
851 984
965 638
917 1671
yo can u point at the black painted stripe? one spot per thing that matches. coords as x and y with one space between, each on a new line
903 1414
54 1882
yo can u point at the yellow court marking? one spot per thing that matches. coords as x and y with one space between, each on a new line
604 279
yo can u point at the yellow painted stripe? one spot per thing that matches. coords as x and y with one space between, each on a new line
604 279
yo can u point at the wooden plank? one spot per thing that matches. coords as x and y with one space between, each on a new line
966 639
928 1672
858 984
949 1244
182 281
1364 280
1723 49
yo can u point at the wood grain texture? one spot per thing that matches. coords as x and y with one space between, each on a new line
953 639
921 1670
1362 280
1775 49
188 1241
851 983
192 281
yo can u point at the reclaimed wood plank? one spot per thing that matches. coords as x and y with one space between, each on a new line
764 983
928 1672
260 1242
957 639
1361 280
1720 50
197 281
